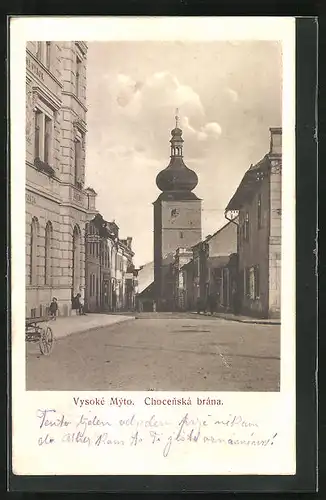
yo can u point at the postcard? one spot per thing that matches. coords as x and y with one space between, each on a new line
153 248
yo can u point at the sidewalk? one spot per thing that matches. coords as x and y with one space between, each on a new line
62 327
243 319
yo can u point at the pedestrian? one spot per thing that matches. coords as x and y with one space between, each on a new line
53 308
212 303
80 305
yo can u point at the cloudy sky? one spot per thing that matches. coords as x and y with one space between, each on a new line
228 95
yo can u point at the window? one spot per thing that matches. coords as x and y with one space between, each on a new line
78 76
37 133
252 282
181 234
43 125
47 138
48 254
34 252
246 227
259 214
257 284
47 54
39 50
77 161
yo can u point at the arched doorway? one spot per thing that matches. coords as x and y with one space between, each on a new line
76 257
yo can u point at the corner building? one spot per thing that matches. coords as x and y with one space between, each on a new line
177 219
57 204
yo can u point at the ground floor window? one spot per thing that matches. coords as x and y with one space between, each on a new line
252 283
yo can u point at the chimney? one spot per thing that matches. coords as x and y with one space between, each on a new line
275 141
129 240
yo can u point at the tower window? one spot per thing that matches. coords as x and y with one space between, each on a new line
181 234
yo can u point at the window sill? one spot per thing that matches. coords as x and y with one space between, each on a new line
37 287
44 167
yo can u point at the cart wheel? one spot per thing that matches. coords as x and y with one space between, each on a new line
46 341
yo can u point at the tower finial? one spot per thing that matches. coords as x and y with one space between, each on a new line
176 117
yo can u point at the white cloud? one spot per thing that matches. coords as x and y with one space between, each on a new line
213 128
233 95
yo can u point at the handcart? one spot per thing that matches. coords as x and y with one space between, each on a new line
40 333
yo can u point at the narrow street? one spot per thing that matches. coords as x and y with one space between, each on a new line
161 352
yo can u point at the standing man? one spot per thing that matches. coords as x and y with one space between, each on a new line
53 308
212 303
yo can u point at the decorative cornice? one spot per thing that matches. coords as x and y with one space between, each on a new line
53 101
80 125
71 94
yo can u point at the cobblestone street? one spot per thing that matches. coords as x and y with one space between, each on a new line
161 352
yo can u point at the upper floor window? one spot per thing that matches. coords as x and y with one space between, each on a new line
78 76
246 227
47 138
39 51
43 53
259 213
43 135
78 157
37 133
48 54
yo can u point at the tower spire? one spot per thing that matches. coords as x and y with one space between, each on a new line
177 118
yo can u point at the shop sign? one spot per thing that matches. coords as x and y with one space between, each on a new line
34 68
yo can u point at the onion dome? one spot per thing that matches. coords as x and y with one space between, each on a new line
176 176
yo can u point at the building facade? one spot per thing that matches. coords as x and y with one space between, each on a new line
182 257
110 273
211 260
258 206
177 219
57 205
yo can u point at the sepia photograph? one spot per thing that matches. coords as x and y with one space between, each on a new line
153 247
153 215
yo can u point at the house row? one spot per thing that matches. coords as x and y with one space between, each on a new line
110 273
238 268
